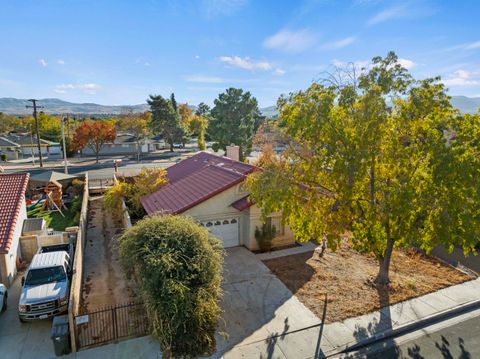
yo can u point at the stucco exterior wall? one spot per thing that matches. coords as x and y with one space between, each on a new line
218 207
8 261
117 149
284 236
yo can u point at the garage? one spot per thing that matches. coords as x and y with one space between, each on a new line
225 229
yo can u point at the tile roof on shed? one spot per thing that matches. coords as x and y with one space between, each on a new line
12 195
195 180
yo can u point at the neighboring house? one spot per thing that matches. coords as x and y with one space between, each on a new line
156 143
9 148
12 214
26 143
210 189
124 144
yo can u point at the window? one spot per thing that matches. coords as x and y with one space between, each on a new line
277 222
233 221
45 275
226 221
217 223
209 224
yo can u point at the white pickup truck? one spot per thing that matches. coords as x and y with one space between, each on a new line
46 285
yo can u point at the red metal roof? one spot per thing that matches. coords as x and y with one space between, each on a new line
243 203
12 195
203 159
191 190
195 180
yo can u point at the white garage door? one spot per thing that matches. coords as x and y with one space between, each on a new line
225 229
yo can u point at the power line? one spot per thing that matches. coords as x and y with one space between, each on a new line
34 102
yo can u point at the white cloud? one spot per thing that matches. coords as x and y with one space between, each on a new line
408 64
60 62
197 57
339 43
213 8
279 72
343 64
290 41
43 62
245 63
473 46
205 79
387 14
463 78
88 88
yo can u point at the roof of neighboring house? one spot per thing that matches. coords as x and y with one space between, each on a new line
12 195
195 180
26 140
5 142
203 159
33 225
125 138
50 176
242 203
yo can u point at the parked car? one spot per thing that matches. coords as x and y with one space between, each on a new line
3 297
46 285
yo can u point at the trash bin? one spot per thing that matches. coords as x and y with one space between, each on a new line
61 335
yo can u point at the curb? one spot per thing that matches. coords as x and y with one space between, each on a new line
408 327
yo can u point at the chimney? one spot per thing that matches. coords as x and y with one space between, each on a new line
233 152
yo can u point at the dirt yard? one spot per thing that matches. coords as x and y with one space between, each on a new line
104 282
346 276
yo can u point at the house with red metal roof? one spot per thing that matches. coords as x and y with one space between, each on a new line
12 214
210 189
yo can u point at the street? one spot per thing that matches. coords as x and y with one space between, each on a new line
457 340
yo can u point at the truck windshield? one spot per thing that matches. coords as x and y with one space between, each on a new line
45 275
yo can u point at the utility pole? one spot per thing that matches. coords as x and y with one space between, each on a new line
64 145
34 102
31 146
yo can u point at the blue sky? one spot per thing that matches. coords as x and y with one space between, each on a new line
119 52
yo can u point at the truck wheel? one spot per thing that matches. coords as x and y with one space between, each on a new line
4 306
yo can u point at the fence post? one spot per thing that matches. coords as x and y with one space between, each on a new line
115 324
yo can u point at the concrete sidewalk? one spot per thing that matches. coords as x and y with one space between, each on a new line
341 335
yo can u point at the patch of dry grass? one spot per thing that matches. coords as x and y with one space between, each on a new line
346 276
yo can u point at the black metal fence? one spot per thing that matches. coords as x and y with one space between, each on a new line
110 324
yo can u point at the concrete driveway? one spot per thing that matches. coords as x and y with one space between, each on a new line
23 340
259 311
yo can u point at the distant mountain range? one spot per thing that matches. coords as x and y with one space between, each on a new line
14 106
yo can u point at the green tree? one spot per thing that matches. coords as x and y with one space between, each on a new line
178 267
203 110
165 119
136 124
373 158
50 127
235 118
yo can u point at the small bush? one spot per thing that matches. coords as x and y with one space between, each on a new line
78 186
146 182
265 236
177 265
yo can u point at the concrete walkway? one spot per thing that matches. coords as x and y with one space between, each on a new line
303 248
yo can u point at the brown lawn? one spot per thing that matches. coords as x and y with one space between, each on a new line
346 276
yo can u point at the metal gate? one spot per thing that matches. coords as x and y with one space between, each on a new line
110 324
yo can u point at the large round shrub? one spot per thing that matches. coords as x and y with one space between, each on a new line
178 265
